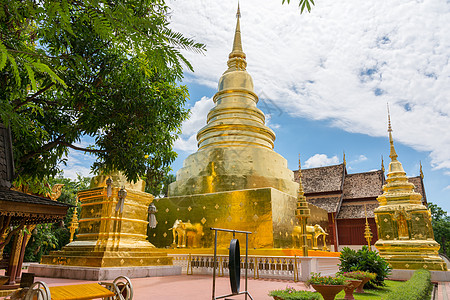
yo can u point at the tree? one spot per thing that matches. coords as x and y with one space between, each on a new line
106 69
302 4
440 221
48 237
160 188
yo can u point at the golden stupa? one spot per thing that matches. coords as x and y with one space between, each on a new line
405 234
113 228
235 180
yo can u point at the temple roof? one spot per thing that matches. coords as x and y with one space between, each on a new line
356 211
19 205
418 185
363 185
330 204
6 160
322 179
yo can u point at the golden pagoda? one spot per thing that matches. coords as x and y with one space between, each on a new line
405 234
112 235
235 180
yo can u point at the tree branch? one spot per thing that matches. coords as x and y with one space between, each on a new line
81 149
30 98
42 149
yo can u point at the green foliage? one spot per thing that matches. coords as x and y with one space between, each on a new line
316 278
365 260
359 275
289 293
302 4
418 287
440 221
109 70
160 187
49 237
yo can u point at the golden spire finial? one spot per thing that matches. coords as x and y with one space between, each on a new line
236 59
343 158
382 164
237 44
303 212
421 172
367 232
300 185
393 155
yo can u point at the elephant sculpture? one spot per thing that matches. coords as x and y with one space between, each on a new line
186 234
312 233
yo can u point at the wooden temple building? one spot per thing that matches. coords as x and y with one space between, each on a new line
348 198
18 211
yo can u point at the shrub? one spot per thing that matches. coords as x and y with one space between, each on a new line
360 275
418 287
365 260
291 294
316 278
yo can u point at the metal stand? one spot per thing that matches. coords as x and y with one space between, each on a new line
215 260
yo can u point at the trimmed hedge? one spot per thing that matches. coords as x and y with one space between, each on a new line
418 287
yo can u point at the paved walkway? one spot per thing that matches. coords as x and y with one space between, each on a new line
192 287
199 287
443 291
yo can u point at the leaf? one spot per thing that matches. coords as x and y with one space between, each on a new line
31 76
3 57
44 68
15 69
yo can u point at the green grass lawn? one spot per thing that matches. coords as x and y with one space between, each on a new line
374 294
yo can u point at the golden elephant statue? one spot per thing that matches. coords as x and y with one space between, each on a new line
186 234
312 233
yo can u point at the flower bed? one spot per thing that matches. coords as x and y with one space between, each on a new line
289 293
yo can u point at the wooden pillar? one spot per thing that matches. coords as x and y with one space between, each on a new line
26 239
335 232
15 257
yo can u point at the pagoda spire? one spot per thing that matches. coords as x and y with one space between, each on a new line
393 155
302 212
382 164
236 59
421 171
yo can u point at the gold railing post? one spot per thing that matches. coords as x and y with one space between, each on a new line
295 269
189 265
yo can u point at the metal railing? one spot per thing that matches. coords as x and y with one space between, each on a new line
277 267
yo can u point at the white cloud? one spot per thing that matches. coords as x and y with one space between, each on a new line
73 172
361 158
320 160
188 141
342 62
447 188
78 162
269 123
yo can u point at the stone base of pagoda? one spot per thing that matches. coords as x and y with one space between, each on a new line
93 273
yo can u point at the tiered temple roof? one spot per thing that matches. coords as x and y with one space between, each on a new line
323 179
332 189
363 185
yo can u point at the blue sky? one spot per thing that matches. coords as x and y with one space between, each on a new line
324 79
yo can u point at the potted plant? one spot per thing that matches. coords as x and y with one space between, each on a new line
353 280
289 293
327 286
364 276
